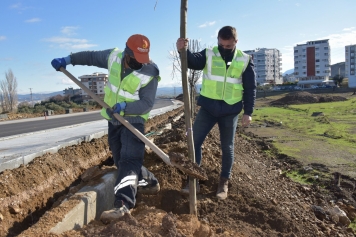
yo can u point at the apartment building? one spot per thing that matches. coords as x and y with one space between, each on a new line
350 64
96 83
268 65
70 91
312 62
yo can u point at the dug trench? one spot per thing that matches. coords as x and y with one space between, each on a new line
262 200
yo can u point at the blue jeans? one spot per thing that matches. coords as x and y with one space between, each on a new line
128 153
203 123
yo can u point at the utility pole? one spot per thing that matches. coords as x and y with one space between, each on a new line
31 97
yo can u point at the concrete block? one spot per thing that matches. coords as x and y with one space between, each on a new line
93 201
78 216
11 163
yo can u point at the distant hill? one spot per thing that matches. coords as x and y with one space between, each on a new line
288 72
161 91
38 96
337 68
172 91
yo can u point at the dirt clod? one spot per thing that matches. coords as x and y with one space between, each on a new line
188 167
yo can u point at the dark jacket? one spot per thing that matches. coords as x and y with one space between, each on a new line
219 108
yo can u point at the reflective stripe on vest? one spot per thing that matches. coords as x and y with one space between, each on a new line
219 83
117 91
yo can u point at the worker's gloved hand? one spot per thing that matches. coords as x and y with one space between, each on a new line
115 109
118 107
57 63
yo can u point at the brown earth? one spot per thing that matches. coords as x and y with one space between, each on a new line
303 97
262 201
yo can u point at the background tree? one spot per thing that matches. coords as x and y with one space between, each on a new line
8 94
264 88
338 79
193 75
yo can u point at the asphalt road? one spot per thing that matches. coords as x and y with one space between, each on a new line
11 128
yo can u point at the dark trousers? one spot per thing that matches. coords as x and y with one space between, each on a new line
128 152
203 123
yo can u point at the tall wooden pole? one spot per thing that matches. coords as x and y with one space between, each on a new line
187 109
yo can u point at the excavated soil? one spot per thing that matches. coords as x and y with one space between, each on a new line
262 201
303 97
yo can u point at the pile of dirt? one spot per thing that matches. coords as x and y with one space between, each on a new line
303 97
262 201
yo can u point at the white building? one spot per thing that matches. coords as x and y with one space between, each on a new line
96 83
350 64
268 66
312 62
289 78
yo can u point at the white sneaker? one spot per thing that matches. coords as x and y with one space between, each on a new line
149 189
113 214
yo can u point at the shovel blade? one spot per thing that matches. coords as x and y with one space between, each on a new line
187 166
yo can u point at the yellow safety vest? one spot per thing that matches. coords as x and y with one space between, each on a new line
219 83
127 89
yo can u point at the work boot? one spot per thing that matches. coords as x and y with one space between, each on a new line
148 189
185 190
114 214
222 188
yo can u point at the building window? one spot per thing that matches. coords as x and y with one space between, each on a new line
326 48
317 60
296 51
326 54
304 73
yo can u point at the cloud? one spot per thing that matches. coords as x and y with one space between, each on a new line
66 81
216 34
69 30
16 6
2 37
211 23
343 39
6 59
33 20
348 29
70 43
337 47
20 7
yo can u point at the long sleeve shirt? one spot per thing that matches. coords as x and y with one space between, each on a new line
218 108
147 94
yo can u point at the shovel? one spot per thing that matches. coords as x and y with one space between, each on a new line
176 160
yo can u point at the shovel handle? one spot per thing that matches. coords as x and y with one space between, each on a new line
124 122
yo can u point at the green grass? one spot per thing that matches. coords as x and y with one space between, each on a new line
300 177
353 225
338 122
